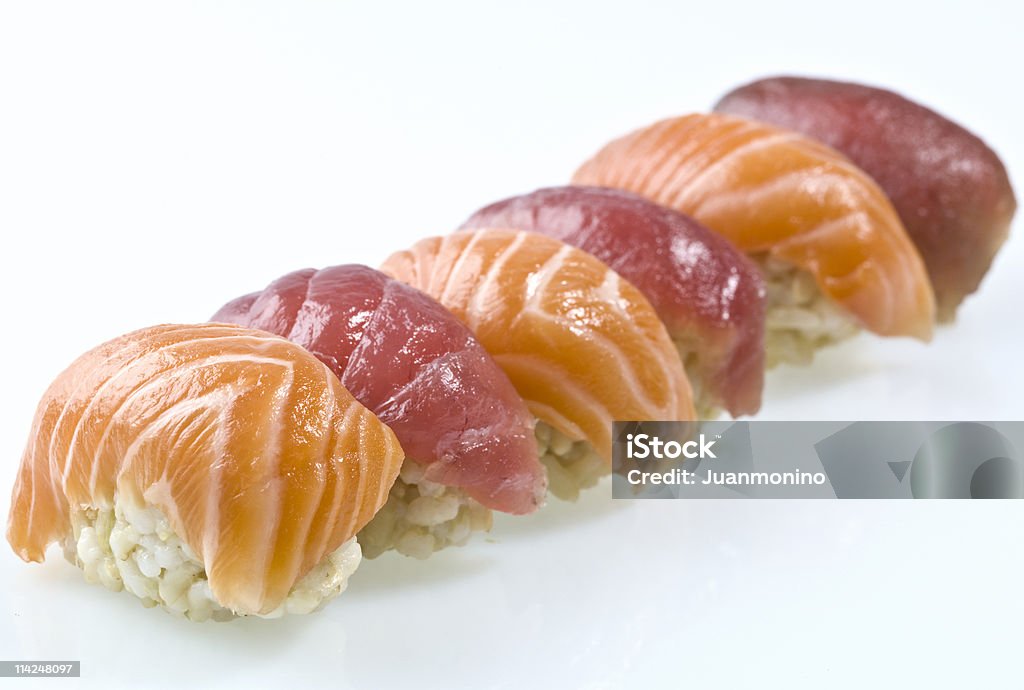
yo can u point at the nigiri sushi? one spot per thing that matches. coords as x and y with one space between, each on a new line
951 190
834 253
581 345
212 470
710 296
467 435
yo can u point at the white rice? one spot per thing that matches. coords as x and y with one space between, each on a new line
572 465
134 548
421 517
702 400
800 319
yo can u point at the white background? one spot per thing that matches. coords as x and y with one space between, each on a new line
157 159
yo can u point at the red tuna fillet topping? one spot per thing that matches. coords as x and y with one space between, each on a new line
422 372
709 294
951 190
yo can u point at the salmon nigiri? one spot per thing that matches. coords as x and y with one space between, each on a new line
710 296
581 345
467 434
211 469
951 190
835 254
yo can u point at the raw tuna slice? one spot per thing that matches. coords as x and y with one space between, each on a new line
582 345
835 254
467 435
951 190
709 294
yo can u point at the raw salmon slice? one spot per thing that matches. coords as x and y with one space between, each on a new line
207 468
581 345
784 198
710 296
407 358
951 190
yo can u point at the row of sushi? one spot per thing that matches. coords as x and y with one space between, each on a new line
244 466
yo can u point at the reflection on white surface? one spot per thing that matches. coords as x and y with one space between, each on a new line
601 594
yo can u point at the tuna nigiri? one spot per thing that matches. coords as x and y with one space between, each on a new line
710 296
951 190
210 469
835 254
581 345
467 434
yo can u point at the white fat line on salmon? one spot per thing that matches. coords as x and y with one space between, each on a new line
211 515
456 267
212 400
761 193
114 354
337 496
272 455
629 378
690 154
415 266
610 290
281 404
353 416
143 358
822 231
473 310
538 280
329 409
640 170
709 176
30 522
159 379
677 159
208 402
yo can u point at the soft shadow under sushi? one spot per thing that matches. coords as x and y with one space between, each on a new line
393 572
593 505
